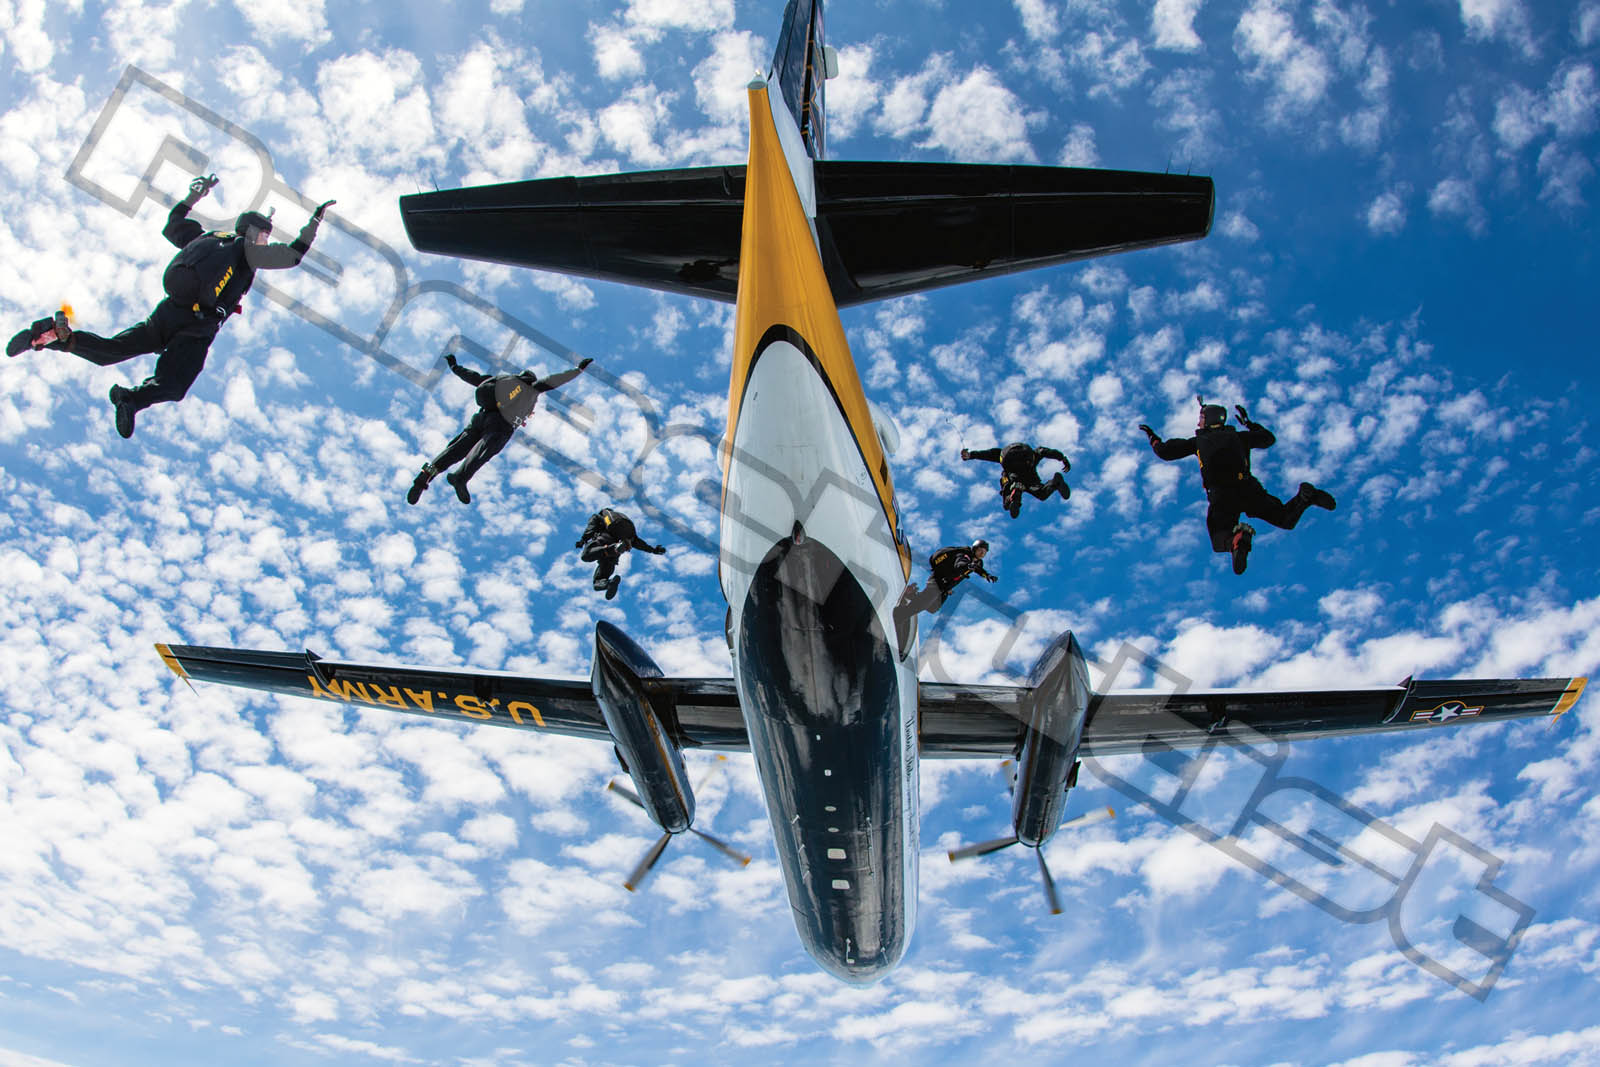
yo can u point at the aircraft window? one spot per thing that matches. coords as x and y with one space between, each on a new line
827 773
841 883
836 853
829 807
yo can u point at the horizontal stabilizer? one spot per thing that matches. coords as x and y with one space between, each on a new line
676 230
886 229
889 229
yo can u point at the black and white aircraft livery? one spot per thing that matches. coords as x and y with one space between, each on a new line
812 557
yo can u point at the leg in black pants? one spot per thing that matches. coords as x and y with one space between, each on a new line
462 443
481 424
183 342
604 556
1260 504
497 433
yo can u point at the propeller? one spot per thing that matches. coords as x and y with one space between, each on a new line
642 871
1051 897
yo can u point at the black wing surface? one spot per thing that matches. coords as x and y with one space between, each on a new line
702 712
957 720
885 229
963 721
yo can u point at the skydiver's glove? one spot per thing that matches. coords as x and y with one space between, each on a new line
658 550
991 579
200 187
1244 416
324 206
1155 438
450 359
965 454
584 362
578 543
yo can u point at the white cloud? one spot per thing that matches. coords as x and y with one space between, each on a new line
1456 197
1573 103
1079 150
1565 174
1265 38
1183 98
377 104
616 52
298 20
630 125
1586 23
1237 225
1172 22
978 119
1387 213
1489 20
1038 19
703 16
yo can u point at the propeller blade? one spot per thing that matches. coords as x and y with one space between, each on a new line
641 872
738 857
984 849
1049 884
1089 818
624 792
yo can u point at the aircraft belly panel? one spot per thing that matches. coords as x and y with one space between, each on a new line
812 573
821 690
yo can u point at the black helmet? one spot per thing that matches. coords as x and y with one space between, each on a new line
252 220
1212 415
980 543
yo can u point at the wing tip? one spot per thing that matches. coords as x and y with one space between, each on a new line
165 652
1574 690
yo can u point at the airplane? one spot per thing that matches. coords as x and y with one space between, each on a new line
825 694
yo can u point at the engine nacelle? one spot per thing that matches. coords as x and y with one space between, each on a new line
652 757
1056 707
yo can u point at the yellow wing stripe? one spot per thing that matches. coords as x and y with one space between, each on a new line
782 283
172 661
1570 697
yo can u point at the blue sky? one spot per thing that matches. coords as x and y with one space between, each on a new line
1398 283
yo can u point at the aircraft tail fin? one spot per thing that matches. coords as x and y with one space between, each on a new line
885 229
802 64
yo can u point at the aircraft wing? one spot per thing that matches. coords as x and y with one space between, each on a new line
706 709
885 229
957 720
962 720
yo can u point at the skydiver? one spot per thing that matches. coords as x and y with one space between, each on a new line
1224 455
505 401
607 535
950 567
1019 473
205 283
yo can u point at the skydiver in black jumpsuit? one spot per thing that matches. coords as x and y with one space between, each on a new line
608 534
1224 455
950 567
1019 473
205 283
504 402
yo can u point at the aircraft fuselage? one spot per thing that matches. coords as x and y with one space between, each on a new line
812 564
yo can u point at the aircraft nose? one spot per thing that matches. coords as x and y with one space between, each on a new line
849 961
